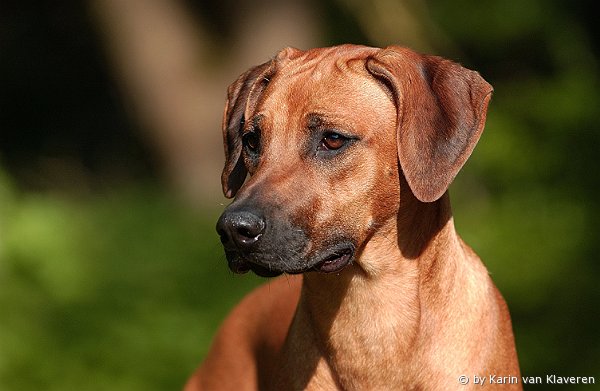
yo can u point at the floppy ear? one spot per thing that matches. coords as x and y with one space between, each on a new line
238 99
441 109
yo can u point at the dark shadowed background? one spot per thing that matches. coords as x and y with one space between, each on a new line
111 274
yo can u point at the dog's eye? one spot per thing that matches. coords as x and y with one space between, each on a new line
332 141
251 140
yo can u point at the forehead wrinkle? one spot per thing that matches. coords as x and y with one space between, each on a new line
341 58
315 62
300 65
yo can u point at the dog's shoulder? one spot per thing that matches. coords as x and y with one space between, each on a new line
250 338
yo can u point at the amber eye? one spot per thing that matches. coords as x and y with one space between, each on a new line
251 140
333 141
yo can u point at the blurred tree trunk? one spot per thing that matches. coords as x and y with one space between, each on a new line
162 58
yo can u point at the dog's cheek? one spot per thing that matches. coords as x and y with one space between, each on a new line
346 210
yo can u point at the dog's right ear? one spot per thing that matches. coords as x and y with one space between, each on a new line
441 110
240 96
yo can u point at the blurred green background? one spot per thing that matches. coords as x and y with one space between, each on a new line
111 275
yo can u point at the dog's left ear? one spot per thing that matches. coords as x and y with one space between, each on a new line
240 94
441 110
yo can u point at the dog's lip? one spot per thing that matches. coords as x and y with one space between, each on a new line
264 271
336 261
333 260
239 265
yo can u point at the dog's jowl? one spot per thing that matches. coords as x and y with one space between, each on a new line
339 161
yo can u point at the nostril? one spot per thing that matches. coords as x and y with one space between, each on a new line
246 233
249 228
243 228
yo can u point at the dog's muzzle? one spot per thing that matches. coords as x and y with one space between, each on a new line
272 246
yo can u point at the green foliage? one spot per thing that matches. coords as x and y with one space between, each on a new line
120 292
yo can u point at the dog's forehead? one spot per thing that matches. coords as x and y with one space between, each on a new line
334 83
323 64
334 53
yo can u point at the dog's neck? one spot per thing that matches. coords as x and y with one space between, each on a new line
362 320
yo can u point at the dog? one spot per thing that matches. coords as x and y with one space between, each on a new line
339 160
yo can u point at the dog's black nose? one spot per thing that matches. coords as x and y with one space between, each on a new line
243 228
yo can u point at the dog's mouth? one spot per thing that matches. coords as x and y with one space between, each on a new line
335 262
239 265
332 261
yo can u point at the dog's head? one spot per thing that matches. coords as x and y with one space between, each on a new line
325 136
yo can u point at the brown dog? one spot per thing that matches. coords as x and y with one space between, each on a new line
350 151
